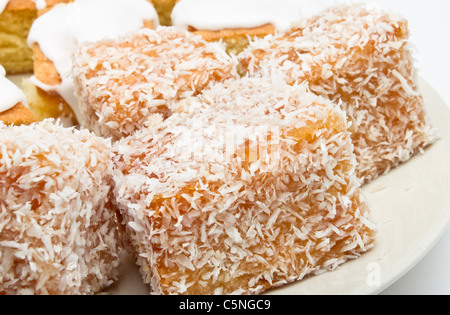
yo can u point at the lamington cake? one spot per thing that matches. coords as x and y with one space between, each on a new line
253 187
16 18
58 228
360 57
126 84
55 36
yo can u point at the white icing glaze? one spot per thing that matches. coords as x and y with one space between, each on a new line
10 94
40 4
60 31
229 14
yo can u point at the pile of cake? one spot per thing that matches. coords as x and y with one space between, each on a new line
223 144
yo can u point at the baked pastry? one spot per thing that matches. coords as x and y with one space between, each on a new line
13 104
124 85
164 9
254 189
361 57
51 91
235 22
58 228
16 17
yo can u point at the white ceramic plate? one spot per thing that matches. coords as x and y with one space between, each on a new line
411 206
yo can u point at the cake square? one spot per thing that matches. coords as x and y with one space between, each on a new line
362 58
251 188
16 19
124 85
13 104
58 232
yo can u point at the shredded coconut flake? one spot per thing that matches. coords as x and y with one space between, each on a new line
241 212
58 230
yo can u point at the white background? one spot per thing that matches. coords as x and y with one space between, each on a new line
429 22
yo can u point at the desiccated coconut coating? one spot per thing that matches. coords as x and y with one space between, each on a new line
124 84
362 58
254 187
58 233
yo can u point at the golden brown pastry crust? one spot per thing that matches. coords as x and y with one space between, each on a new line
235 39
362 59
18 115
46 104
